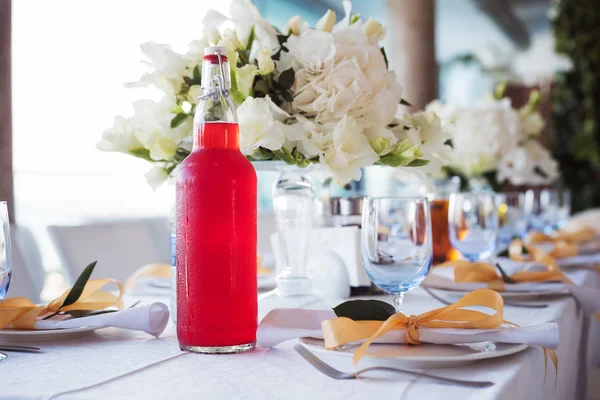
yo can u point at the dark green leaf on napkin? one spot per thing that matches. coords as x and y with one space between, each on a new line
365 310
79 285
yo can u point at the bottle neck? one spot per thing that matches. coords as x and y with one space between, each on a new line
215 121
217 135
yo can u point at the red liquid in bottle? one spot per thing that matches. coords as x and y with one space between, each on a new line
216 242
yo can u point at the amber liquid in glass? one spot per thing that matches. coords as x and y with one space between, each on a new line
439 227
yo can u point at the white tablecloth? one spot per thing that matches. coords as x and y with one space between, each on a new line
117 364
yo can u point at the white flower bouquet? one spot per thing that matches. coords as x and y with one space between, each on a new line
493 140
304 95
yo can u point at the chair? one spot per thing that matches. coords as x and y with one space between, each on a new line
28 271
119 246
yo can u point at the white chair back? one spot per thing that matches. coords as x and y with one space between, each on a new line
120 247
28 271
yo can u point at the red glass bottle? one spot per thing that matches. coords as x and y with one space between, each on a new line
216 226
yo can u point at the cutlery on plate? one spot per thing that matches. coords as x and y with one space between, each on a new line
506 303
19 348
337 374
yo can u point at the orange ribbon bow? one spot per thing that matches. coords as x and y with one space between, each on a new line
21 313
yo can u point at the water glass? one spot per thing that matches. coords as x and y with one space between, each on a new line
473 224
543 207
396 243
5 251
513 217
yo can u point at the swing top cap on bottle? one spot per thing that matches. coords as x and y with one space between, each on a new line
215 69
210 54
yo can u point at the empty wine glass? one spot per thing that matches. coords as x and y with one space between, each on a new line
513 217
5 251
473 224
396 243
543 207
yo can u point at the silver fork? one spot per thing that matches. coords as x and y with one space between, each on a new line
337 374
507 303
19 348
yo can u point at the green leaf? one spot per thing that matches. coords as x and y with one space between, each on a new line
261 86
250 39
365 310
387 64
505 277
419 162
178 120
196 75
142 153
286 79
261 154
287 96
354 19
79 285
281 39
405 103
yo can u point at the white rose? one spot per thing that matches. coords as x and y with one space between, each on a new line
156 177
119 138
309 138
374 30
293 26
427 132
265 62
382 140
245 15
349 152
245 78
260 125
230 40
168 68
152 123
327 21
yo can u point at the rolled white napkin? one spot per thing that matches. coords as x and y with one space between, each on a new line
588 299
150 318
284 324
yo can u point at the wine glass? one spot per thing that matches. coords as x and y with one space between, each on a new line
513 216
396 243
5 251
473 224
543 207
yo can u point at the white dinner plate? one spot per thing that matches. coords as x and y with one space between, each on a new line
19 335
420 357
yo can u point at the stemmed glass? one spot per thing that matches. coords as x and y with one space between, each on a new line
543 207
473 224
5 250
396 243
513 217
564 208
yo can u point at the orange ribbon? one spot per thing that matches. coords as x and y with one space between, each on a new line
21 313
340 331
561 249
581 236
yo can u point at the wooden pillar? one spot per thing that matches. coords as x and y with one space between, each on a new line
411 33
6 168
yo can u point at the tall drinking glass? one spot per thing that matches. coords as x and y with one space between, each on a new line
473 224
513 217
396 243
5 250
543 206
